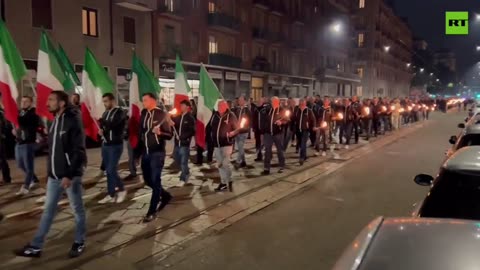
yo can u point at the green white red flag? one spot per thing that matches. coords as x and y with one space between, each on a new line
95 83
143 81
12 69
182 89
207 101
68 67
50 75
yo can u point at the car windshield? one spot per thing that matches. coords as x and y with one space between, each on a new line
469 140
454 195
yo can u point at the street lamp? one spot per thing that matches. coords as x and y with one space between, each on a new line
478 48
386 48
336 27
408 64
438 80
431 74
477 17
422 69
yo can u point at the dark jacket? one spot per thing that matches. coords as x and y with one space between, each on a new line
350 113
324 114
29 124
113 125
67 156
220 126
149 141
257 117
376 110
303 120
243 112
268 117
184 129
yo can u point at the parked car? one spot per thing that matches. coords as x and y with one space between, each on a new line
413 244
469 136
455 191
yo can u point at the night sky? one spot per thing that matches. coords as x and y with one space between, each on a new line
427 20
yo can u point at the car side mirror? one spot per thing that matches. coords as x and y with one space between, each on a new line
461 125
423 180
453 140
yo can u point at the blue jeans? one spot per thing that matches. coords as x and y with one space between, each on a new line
25 156
152 166
268 141
240 145
222 155
181 155
303 144
111 156
132 167
54 193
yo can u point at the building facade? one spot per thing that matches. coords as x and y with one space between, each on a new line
383 49
111 29
256 47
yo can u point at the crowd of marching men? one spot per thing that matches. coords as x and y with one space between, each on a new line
324 122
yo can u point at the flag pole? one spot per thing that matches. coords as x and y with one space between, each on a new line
34 91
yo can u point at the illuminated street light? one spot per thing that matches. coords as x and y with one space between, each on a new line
387 48
478 48
408 64
336 27
477 16
438 80
422 69
431 74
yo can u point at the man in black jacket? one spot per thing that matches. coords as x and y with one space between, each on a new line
112 128
224 127
183 131
244 117
273 123
259 109
303 120
26 135
66 164
154 132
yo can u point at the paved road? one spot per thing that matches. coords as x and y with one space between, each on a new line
310 229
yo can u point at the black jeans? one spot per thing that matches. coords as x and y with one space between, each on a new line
367 127
258 144
152 166
4 164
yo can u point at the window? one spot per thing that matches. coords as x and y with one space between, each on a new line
169 5
195 3
359 91
361 40
260 50
245 55
212 45
42 14
360 72
195 41
212 7
361 3
89 22
129 30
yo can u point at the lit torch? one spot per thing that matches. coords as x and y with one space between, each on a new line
324 124
366 110
401 110
287 113
392 108
340 116
173 112
243 122
409 108
384 108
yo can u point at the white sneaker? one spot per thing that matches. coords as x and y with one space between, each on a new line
32 185
181 184
22 191
347 147
41 199
317 154
107 199
324 154
121 196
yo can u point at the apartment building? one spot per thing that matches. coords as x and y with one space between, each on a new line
255 47
383 50
112 29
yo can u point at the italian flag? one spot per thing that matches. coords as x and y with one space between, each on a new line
95 83
207 102
143 81
182 89
50 75
12 69
67 67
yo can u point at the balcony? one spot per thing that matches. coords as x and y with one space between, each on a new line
260 63
220 59
173 11
260 33
138 5
263 4
223 21
329 74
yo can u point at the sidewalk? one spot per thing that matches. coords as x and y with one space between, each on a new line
116 236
